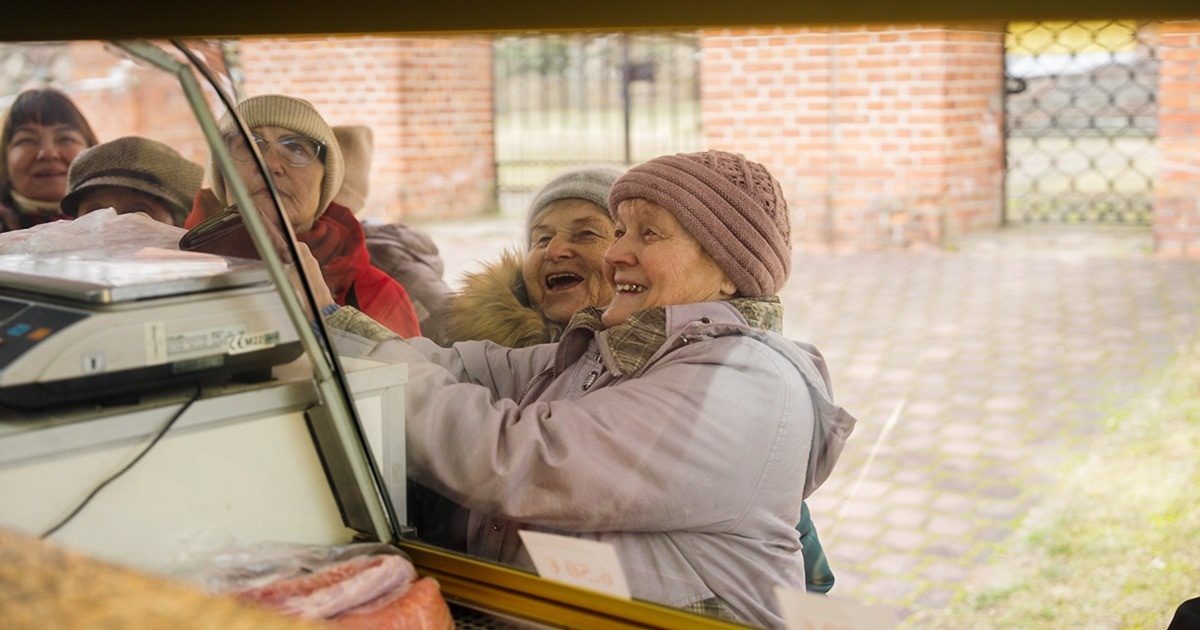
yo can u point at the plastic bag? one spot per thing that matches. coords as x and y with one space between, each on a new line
238 568
359 585
106 249
103 231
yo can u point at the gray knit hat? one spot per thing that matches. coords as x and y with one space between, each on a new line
732 206
138 163
590 183
277 110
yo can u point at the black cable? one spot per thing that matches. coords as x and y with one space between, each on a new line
113 477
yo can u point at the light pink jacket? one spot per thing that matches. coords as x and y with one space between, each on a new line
694 466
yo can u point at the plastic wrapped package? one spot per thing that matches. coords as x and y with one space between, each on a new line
361 585
102 230
104 249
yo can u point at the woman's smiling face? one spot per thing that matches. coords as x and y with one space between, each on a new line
656 262
39 157
564 269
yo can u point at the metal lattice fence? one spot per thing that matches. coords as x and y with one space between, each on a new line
1081 122
590 98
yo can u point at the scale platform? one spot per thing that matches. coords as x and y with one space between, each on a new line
79 328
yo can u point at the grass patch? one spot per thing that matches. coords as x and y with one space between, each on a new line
1117 544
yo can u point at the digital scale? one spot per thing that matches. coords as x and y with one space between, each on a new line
77 328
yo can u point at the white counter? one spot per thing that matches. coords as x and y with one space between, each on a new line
239 467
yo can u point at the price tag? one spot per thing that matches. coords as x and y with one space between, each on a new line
805 611
583 563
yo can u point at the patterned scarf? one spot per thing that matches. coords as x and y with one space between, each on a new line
636 339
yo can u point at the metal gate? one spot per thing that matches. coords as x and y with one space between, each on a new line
590 98
1081 122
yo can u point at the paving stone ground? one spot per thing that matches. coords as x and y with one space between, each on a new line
976 374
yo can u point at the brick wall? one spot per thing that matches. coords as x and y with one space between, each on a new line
427 100
1176 220
120 98
880 136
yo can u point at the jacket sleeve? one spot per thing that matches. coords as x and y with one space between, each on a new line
502 372
715 429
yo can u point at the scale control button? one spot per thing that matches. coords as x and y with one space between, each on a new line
93 363
39 333
19 330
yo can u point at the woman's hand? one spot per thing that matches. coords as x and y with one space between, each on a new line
316 281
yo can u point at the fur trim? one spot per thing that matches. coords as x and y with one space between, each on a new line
494 305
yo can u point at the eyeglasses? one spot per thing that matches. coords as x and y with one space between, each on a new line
295 150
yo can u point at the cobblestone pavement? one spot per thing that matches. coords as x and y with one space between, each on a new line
975 374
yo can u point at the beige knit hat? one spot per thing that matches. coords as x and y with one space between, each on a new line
732 206
357 143
138 163
590 183
277 110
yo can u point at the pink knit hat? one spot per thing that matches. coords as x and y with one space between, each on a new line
732 206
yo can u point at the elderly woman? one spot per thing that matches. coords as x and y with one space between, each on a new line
42 134
522 300
306 165
677 424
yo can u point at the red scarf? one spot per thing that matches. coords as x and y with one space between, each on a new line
336 241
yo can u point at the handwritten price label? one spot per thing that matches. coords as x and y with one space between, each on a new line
804 611
583 563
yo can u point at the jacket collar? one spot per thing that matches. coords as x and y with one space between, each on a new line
625 348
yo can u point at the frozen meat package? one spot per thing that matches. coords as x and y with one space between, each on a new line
359 585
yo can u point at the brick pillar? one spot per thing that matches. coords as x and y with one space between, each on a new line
1176 219
881 136
427 100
